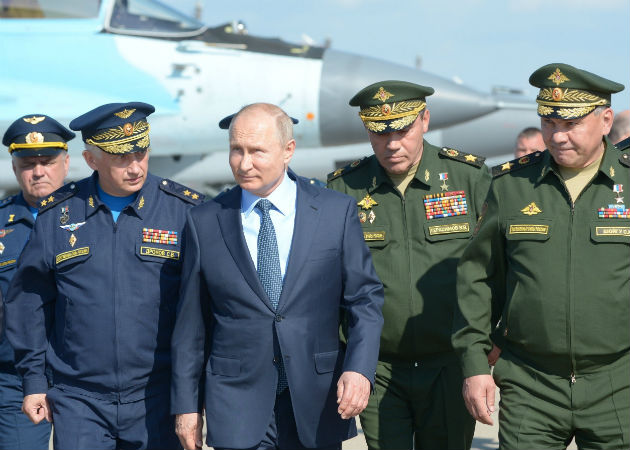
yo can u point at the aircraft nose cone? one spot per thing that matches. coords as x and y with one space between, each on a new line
344 74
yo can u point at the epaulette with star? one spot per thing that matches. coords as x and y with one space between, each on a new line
623 145
7 201
344 170
181 191
467 158
516 164
57 197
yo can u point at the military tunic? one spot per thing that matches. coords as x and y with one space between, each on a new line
16 430
558 274
415 241
93 299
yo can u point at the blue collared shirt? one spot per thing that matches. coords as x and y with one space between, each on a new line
282 215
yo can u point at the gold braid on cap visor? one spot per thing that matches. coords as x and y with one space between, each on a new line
123 143
401 115
568 103
14 147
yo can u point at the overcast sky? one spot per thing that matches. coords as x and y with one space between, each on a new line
484 43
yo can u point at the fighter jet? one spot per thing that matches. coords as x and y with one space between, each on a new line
64 58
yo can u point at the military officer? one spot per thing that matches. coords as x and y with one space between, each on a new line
418 205
39 151
551 256
94 296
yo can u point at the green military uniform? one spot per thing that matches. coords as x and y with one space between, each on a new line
415 240
557 271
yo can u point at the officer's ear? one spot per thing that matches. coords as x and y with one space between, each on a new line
425 121
90 159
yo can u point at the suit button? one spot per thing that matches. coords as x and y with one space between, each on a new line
275 360
279 318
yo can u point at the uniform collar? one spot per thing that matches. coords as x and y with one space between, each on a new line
146 195
283 198
609 166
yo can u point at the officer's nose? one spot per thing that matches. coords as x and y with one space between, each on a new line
38 170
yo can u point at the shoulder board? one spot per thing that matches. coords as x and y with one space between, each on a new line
7 201
349 168
516 164
181 191
625 159
61 194
468 158
623 145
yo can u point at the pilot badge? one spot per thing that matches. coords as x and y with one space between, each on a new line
444 177
371 216
63 219
5 231
72 240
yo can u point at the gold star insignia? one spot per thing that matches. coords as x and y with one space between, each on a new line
558 77
43 202
531 209
195 196
187 193
50 199
337 172
367 202
470 158
507 166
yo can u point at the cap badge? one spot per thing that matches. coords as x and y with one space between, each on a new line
128 129
531 209
386 109
34 120
34 138
557 94
125 113
382 95
5 231
558 77
367 202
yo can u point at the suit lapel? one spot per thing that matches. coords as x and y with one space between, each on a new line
306 222
232 231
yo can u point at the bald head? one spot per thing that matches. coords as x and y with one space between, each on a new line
283 123
620 127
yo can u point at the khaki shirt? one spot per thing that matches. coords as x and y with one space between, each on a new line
415 256
557 272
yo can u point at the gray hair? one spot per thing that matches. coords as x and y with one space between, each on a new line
284 124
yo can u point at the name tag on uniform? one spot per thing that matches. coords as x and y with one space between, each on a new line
449 228
612 231
374 235
61 257
535 229
159 253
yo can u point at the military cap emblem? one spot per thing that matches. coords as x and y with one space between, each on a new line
128 129
367 202
34 138
531 209
386 109
558 77
34 120
125 113
382 95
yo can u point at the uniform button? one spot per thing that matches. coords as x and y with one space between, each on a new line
279 318
72 186
415 364
275 360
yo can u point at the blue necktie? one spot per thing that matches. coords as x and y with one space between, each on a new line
268 269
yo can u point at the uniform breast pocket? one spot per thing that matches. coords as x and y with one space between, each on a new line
68 260
377 237
610 231
442 230
528 230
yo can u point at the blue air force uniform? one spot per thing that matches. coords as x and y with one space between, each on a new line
94 300
29 135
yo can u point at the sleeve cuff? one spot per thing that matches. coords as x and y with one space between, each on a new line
475 364
35 385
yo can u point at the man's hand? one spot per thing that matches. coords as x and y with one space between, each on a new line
478 392
494 354
36 408
353 392
188 429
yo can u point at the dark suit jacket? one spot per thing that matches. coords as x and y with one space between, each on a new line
223 342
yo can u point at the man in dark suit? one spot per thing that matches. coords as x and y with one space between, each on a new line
271 267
